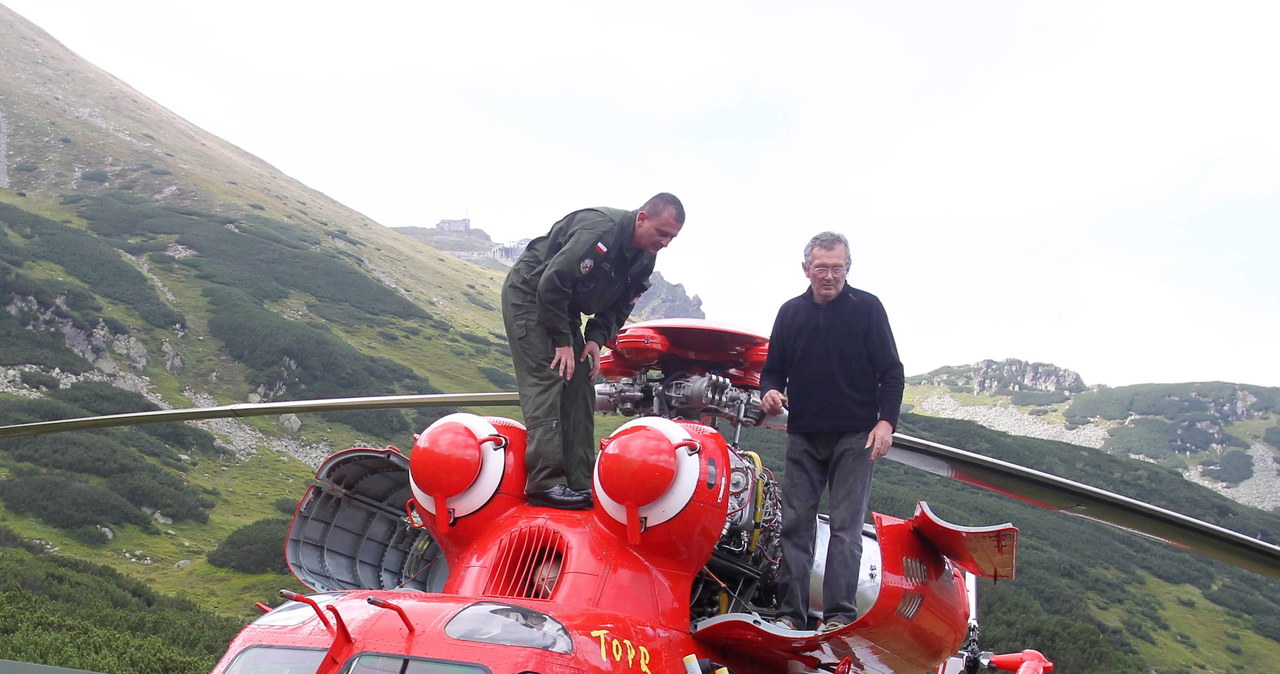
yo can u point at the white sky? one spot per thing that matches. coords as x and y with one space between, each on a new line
1092 184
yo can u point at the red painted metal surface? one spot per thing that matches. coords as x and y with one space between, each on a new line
1026 662
688 344
990 552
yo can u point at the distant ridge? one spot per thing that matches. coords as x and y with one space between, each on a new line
1220 435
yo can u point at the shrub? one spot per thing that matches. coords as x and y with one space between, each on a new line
103 398
1236 467
36 380
475 339
500 378
254 548
66 503
78 452
1146 437
25 167
95 176
165 492
480 302
89 535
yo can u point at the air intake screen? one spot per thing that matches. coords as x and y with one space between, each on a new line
528 564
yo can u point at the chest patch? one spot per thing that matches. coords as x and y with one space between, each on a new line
586 265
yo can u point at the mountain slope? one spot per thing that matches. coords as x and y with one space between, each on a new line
145 263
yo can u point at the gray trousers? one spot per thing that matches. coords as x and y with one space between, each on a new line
559 414
842 463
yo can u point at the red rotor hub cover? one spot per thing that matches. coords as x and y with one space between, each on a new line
636 468
445 461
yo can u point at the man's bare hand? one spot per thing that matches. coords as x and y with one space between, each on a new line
562 362
772 402
592 351
880 438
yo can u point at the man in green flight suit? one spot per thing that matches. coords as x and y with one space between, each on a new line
594 262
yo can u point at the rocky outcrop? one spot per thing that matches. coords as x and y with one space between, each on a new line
666 300
242 440
96 345
1005 376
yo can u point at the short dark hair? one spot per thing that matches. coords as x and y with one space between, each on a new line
828 241
661 203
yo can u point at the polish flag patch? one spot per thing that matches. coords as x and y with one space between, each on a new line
601 247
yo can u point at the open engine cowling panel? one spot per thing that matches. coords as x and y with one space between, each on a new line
350 532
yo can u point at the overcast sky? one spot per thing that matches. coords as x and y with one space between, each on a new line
1091 184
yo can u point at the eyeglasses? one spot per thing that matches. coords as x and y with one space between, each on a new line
836 272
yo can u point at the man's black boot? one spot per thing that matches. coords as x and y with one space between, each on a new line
562 497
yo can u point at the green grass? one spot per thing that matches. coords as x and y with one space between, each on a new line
1250 429
1199 634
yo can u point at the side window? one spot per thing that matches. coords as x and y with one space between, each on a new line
399 664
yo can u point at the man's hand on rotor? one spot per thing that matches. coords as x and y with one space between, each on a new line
592 351
563 362
772 402
879 439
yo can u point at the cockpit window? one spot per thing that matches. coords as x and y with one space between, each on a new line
276 660
495 623
398 664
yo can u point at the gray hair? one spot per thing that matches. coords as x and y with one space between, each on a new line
828 241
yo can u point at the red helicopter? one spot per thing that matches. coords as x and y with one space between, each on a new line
434 563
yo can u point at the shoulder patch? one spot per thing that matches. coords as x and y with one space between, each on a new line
601 247
586 265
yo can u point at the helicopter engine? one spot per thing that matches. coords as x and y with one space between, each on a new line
741 574
704 397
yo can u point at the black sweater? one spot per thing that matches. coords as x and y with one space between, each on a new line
837 362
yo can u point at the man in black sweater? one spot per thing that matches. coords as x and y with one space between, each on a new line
833 363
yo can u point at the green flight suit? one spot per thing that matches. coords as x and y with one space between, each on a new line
584 266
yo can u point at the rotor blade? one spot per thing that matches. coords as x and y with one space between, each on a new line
262 409
1074 498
